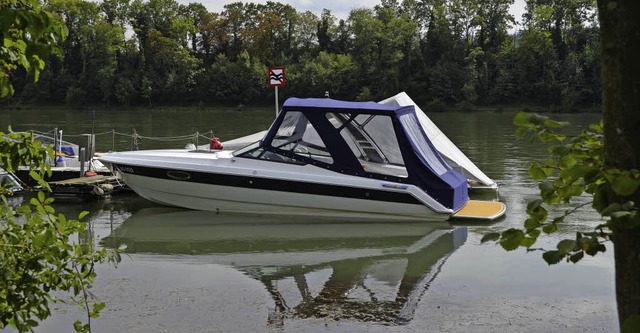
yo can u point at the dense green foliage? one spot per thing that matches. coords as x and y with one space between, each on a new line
444 53
41 252
29 35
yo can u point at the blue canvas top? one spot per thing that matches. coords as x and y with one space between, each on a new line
328 103
336 139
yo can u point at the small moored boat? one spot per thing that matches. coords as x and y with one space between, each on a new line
320 157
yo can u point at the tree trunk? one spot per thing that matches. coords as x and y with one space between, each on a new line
620 40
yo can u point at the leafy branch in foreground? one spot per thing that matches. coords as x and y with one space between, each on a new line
39 253
29 35
576 169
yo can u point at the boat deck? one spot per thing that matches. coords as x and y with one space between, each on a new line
481 210
86 188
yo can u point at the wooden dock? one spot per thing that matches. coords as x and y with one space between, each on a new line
86 188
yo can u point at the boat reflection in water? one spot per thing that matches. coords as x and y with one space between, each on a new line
372 272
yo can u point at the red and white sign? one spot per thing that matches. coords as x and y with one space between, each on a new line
276 76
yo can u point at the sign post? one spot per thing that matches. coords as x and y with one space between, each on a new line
276 79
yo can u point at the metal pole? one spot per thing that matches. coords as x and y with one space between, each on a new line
59 146
55 147
83 157
276 100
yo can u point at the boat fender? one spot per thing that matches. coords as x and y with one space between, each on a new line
215 144
97 191
90 174
106 187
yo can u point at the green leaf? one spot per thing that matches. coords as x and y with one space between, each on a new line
528 242
576 257
539 172
493 236
555 124
631 324
531 223
566 245
535 119
49 238
567 161
521 119
533 204
521 132
77 325
96 309
550 228
558 150
598 128
622 182
535 233
82 214
552 257
547 136
629 205
511 239
536 211
621 214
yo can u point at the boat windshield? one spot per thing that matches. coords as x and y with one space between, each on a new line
371 139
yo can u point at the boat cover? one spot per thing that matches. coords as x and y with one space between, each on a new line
452 154
425 167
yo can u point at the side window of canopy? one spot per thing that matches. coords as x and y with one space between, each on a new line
373 141
421 144
298 136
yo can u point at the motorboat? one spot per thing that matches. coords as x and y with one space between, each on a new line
321 157
311 267
9 183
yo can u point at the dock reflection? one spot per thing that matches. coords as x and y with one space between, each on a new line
312 268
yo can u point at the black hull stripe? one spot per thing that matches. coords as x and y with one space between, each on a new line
259 183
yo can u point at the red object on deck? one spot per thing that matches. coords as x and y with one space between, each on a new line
90 174
215 144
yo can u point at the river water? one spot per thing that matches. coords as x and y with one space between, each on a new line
189 271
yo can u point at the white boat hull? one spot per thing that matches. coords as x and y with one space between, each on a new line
219 182
242 200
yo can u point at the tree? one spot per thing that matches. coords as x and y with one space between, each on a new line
602 162
305 39
37 254
621 102
325 25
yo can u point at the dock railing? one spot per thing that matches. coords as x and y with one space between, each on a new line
135 139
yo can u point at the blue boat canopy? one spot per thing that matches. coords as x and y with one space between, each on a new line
365 139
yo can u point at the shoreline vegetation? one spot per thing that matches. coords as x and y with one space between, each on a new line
446 54
507 108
